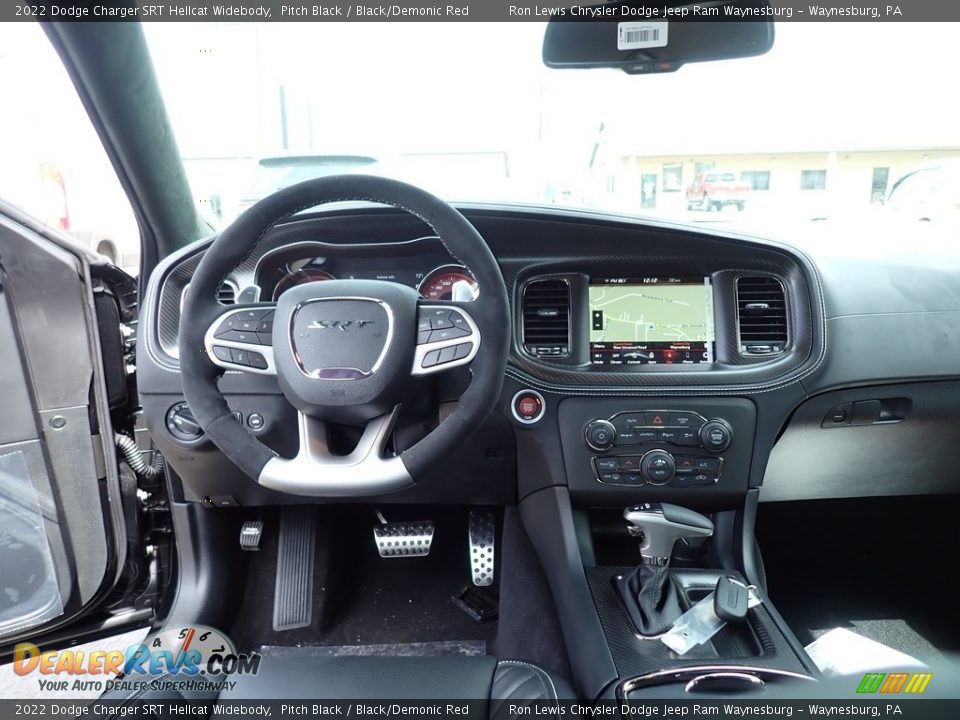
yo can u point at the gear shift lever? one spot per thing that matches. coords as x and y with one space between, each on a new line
660 525
648 595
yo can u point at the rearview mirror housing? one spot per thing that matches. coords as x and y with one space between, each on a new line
647 38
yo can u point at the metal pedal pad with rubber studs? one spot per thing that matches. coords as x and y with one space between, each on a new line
403 539
482 534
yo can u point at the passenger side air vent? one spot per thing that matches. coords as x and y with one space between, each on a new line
546 318
761 315
227 294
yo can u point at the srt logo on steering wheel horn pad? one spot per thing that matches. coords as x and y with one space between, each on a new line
341 325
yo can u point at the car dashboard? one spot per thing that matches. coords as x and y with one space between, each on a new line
631 340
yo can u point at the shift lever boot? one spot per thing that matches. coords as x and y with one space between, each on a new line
650 598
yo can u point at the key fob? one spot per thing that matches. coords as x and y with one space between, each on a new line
731 599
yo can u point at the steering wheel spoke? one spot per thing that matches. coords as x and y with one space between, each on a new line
447 337
317 471
241 338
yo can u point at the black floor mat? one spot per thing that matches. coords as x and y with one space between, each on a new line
882 567
362 599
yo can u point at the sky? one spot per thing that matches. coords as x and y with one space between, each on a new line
453 87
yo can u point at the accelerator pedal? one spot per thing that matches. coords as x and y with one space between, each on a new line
293 594
482 534
403 539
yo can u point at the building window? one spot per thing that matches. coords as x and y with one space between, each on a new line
702 167
813 180
673 177
878 187
758 179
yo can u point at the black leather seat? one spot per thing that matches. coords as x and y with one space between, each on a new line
305 676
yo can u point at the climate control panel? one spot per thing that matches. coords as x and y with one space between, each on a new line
657 449
658 466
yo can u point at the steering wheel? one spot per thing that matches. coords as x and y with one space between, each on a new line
343 351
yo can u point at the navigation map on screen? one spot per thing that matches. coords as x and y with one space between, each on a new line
651 320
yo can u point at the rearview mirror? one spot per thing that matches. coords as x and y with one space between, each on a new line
648 38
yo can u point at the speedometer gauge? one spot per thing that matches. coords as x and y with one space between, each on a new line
449 282
299 277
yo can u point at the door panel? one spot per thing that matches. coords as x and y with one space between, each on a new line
56 442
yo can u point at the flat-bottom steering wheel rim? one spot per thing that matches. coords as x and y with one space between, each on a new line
364 473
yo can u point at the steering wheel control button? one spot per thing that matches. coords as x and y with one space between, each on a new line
600 435
438 331
658 467
447 334
255 421
716 435
240 357
226 326
256 360
528 407
222 353
439 318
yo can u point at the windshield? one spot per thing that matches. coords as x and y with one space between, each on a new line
821 126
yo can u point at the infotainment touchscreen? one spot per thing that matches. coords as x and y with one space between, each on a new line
661 320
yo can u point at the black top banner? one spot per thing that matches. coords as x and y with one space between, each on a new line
477 11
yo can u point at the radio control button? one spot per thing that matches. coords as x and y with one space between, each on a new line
600 435
687 438
685 420
716 435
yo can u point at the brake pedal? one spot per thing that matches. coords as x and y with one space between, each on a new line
403 539
293 593
482 534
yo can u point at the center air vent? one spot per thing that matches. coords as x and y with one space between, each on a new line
761 315
227 293
546 318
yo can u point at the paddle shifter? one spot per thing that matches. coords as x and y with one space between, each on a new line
649 597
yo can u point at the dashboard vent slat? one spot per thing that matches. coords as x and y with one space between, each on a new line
227 294
761 315
546 318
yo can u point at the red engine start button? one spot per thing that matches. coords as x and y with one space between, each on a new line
528 406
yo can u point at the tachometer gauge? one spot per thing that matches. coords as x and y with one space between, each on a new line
449 282
299 277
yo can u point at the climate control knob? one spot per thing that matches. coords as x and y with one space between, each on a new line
658 467
600 435
716 435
